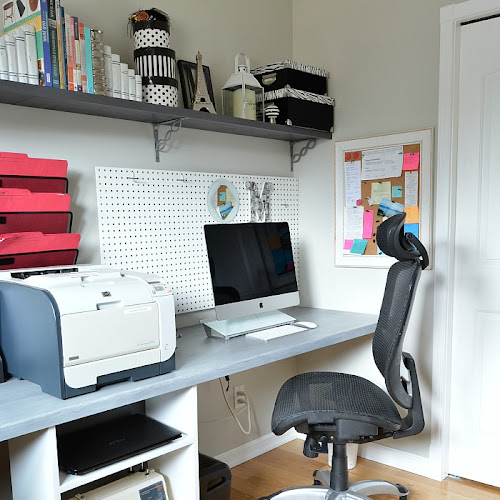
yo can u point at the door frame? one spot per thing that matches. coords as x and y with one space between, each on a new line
451 19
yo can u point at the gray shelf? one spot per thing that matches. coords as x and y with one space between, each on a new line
22 94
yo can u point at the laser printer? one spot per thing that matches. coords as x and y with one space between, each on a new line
73 329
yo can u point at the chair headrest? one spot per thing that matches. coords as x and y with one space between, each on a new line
392 240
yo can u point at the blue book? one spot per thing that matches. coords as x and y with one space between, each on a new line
54 49
65 54
88 60
46 61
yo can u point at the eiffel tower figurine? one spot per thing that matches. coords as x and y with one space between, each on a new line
202 100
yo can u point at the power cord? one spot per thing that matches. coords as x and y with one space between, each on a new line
242 394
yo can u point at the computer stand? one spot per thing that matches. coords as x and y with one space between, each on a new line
225 329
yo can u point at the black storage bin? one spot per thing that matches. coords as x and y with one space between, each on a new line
295 75
215 479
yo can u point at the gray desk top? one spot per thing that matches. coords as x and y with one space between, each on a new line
24 408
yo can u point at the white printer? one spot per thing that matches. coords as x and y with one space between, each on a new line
72 329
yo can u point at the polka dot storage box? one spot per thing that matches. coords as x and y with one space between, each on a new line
155 62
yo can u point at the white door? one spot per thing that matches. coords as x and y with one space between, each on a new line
475 389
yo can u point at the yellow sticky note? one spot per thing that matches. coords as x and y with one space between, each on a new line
412 216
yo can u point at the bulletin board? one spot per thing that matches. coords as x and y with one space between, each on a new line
376 178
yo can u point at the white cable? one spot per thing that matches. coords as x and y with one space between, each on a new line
234 414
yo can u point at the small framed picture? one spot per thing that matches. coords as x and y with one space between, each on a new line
187 78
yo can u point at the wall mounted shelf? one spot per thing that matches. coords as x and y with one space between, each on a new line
33 96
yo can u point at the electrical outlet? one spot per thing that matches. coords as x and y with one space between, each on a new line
239 399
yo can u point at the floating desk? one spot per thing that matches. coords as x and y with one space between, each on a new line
28 417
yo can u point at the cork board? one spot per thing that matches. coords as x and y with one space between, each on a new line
375 178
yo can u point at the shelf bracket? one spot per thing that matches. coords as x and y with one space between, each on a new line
160 144
295 157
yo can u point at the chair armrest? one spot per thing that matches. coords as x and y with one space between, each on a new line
414 421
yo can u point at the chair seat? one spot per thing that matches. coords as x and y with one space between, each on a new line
324 397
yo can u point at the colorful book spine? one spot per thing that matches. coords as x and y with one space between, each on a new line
88 58
54 56
60 46
70 51
81 35
44 63
78 56
65 52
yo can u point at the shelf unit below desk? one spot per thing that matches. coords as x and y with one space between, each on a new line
33 96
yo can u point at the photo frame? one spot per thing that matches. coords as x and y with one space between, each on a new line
187 78
362 174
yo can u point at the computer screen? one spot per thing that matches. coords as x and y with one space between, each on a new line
251 267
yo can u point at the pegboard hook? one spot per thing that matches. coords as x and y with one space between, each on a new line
160 144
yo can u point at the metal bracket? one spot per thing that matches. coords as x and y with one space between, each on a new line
160 144
295 157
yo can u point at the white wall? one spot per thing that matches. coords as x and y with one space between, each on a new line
383 59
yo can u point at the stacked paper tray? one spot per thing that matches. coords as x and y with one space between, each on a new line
37 249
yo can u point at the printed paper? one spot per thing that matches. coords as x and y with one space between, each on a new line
352 183
388 207
353 223
382 163
380 190
411 189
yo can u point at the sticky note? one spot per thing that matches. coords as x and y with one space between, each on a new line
397 191
411 161
380 190
368 224
348 244
379 252
359 246
412 216
410 228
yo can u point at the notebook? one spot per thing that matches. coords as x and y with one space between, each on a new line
86 450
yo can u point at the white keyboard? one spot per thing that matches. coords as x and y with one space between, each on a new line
275 332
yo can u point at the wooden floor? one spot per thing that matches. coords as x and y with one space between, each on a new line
286 467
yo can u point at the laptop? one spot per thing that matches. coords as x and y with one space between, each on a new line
89 449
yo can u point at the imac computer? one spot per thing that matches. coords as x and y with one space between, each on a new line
253 276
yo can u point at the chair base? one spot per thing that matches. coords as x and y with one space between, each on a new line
357 491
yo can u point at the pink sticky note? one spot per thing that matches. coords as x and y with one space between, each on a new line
411 161
348 244
367 224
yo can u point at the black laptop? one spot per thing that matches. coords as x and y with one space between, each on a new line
109 442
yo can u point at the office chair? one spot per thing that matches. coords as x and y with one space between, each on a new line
339 408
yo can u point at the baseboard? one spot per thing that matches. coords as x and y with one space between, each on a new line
416 464
257 447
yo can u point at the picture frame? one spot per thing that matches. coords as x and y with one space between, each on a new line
355 150
187 79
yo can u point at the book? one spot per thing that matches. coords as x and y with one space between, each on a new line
39 18
64 48
29 31
88 59
60 45
4 63
21 55
77 53
81 36
54 52
70 52
10 43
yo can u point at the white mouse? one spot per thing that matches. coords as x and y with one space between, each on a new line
306 324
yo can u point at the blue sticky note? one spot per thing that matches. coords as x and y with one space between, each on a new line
379 252
359 246
411 228
397 191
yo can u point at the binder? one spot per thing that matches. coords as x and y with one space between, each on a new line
23 200
34 183
36 242
22 164
45 222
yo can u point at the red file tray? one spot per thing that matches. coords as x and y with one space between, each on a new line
39 259
35 184
22 164
23 200
21 243
44 222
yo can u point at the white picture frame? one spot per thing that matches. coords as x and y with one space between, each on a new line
424 138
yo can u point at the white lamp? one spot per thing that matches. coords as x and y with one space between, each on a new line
242 92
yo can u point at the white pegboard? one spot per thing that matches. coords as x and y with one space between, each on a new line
152 221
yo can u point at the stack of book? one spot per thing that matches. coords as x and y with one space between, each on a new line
43 45
35 221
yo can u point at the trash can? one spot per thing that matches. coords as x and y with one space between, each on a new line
215 479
